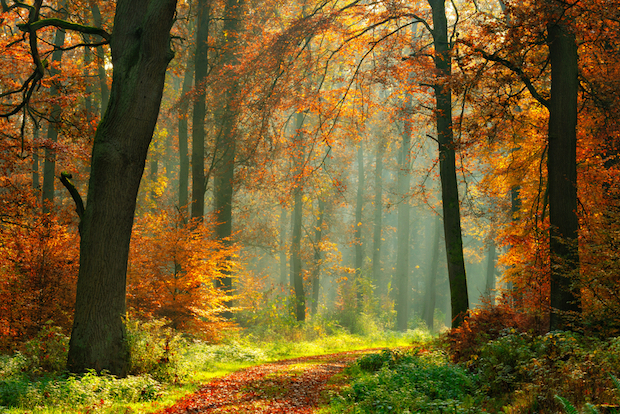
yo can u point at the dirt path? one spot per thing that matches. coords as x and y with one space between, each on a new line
290 386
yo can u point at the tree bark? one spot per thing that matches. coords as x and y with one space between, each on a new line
103 78
227 137
141 52
428 313
402 252
201 68
489 291
562 176
447 166
49 164
377 222
282 247
359 208
297 280
316 268
188 79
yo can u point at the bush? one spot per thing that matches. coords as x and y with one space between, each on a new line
154 349
483 325
401 382
525 372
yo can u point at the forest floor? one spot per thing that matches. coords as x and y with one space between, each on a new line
294 386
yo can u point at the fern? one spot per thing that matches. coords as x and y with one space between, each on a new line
570 409
616 382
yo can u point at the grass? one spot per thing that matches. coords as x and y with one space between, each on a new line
24 387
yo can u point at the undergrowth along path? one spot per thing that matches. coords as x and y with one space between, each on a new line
294 386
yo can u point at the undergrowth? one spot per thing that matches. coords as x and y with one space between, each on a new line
164 366
411 381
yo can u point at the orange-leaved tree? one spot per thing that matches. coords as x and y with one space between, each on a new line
172 273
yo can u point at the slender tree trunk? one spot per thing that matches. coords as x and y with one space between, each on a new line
224 177
431 279
316 268
36 180
282 247
447 166
188 79
297 280
49 165
153 173
562 176
402 253
359 208
103 78
98 339
489 291
201 67
377 277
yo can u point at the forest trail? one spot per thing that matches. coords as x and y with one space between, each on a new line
290 386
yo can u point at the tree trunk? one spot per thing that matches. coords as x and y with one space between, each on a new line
447 169
188 79
36 180
103 78
316 268
562 175
227 138
282 247
402 253
49 164
359 208
428 313
377 277
489 291
141 52
201 67
297 279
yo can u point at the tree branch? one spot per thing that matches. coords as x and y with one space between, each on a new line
63 24
79 204
514 68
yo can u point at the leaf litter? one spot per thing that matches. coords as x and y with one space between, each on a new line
292 386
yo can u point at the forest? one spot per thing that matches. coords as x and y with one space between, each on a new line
428 191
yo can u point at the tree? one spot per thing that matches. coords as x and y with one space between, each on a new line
201 69
447 165
404 208
228 131
140 49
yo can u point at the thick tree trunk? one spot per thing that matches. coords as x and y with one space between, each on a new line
562 175
377 276
359 208
447 169
402 252
201 67
140 54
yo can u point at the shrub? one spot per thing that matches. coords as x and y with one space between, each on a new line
154 349
484 325
401 382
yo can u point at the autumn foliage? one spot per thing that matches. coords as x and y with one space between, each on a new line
173 269
38 268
